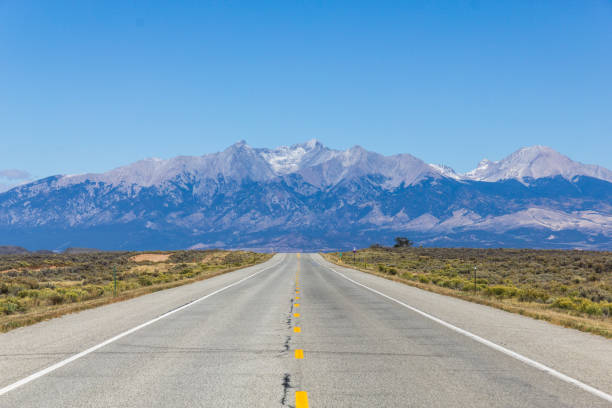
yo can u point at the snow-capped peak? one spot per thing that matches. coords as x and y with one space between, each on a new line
287 159
446 171
312 143
535 162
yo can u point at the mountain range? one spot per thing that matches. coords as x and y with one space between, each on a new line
310 197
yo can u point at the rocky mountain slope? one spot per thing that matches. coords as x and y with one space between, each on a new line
310 197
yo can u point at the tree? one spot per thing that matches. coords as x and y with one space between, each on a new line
403 242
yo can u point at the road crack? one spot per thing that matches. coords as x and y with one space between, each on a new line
286 383
287 344
286 387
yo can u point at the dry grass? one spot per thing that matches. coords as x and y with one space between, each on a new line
505 277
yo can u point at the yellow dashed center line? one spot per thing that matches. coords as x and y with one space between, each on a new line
301 399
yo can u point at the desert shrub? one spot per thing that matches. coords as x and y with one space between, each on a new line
185 270
144 280
501 291
532 295
455 283
444 282
592 309
71 296
606 309
564 303
31 293
162 278
407 275
588 307
467 288
31 283
56 298
424 279
9 305
45 294
94 291
595 294
436 279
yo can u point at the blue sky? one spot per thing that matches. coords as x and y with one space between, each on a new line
91 85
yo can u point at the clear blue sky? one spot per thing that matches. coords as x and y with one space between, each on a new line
91 85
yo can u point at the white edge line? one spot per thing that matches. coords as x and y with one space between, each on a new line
488 343
70 359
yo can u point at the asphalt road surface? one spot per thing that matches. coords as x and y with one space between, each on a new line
298 331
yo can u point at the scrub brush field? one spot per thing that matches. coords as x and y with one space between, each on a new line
35 287
570 288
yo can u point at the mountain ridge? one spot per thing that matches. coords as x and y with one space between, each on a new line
307 196
525 163
535 162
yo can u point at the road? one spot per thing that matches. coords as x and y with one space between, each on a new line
343 339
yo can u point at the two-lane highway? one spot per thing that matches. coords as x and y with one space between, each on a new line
291 332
